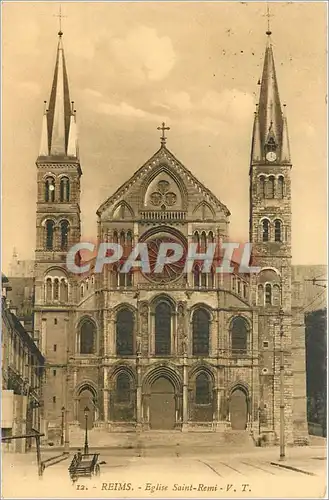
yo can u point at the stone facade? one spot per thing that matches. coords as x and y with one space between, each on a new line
195 351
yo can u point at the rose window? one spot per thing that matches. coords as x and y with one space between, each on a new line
163 197
170 271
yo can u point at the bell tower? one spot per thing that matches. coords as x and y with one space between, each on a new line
57 229
270 235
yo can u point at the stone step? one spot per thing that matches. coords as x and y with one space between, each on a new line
156 439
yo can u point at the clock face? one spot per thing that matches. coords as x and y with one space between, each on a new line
271 156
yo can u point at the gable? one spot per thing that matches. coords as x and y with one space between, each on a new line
143 189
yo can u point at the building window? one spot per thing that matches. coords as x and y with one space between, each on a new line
50 226
124 333
202 390
64 189
49 290
260 295
49 190
54 399
64 230
196 276
162 329
270 187
265 344
239 336
280 186
55 347
262 186
64 290
56 289
277 230
203 279
54 373
123 388
201 330
276 295
87 337
55 321
265 230
268 294
203 246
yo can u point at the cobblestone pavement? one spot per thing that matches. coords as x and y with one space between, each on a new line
250 474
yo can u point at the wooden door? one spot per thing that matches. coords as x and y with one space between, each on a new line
238 410
162 405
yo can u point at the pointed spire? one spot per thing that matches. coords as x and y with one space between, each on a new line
256 152
58 117
285 150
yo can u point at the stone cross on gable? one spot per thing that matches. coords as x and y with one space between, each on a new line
163 138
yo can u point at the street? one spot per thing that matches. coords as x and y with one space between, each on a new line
256 473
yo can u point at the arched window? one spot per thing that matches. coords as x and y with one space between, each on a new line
260 295
268 294
276 295
122 239
50 227
123 388
64 189
239 336
129 242
49 290
202 390
115 237
162 329
64 230
265 230
270 187
261 186
211 237
211 278
277 230
196 276
129 278
239 286
122 278
245 290
201 330
87 337
64 290
49 190
203 279
203 242
56 289
82 291
280 186
124 333
115 276
196 240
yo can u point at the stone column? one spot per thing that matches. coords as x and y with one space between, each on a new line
138 393
185 394
105 396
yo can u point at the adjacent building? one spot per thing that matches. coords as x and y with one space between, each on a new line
22 377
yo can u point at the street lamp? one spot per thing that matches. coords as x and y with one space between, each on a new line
62 426
282 423
86 411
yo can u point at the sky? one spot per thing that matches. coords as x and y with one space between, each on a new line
194 65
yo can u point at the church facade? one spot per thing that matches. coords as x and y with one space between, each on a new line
169 351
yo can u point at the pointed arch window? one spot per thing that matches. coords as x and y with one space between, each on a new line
201 332
129 278
50 228
122 239
129 242
268 294
270 187
203 279
196 239
239 336
280 186
64 189
123 388
265 230
64 231
122 278
277 231
56 289
202 390
124 333
211 278
87 337
49 190
163 329
115 276
262 186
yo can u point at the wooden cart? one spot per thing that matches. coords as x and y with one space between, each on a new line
84 466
